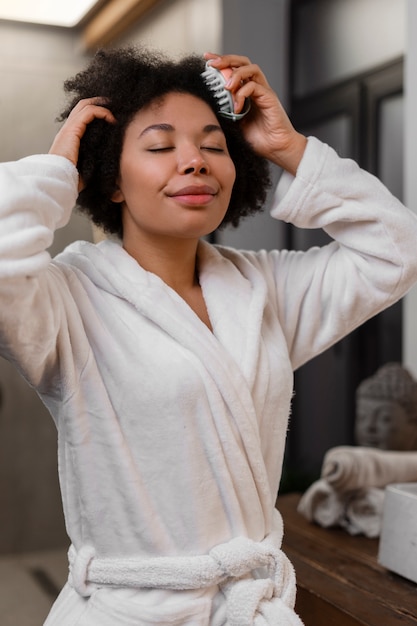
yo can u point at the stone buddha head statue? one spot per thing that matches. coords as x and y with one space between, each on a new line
386 409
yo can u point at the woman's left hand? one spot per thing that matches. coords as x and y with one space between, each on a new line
267 126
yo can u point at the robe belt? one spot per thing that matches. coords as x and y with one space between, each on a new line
228 565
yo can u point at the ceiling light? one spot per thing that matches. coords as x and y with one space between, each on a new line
66 13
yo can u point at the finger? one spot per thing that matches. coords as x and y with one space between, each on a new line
82 115
226 60
67 141
90 108
249 89
242 69
244 74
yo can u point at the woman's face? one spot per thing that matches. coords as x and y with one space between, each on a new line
176 174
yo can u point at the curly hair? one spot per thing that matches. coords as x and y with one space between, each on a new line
129 79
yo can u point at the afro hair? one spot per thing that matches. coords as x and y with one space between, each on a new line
129 79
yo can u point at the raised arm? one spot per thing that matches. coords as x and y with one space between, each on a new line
324 293
37 195
67 141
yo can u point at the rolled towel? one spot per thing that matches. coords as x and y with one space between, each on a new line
347 468
358 512
322 504
363 514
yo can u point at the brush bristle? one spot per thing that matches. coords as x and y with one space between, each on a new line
216 82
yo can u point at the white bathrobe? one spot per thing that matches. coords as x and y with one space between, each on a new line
171 437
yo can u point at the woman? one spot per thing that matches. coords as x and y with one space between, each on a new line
167 362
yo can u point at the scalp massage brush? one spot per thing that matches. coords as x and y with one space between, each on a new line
216 80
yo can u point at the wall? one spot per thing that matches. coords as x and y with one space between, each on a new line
259 30
179 27
339 39
34 61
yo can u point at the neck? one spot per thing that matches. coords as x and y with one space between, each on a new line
173 261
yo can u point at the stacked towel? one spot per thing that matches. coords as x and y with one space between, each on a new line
350 492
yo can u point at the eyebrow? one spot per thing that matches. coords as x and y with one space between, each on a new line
168 128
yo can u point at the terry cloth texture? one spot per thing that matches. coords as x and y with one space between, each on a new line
171 437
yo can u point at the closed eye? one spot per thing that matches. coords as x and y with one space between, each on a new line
212 148
169 148
164 149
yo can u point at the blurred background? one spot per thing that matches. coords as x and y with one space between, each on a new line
345 71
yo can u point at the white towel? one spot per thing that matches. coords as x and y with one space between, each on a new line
350 492
349 467
322 504
358 512
363 514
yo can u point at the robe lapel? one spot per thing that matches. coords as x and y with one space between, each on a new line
235 302
235 299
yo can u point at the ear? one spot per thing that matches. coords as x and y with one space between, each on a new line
118 195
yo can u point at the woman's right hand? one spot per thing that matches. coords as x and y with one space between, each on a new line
67 140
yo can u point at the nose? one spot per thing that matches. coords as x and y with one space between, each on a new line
370 423
191 161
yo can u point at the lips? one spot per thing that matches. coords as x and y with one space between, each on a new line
194 195
195 190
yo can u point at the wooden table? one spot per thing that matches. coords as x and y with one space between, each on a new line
340 582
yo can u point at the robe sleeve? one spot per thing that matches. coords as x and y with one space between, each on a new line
324 293
37 195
